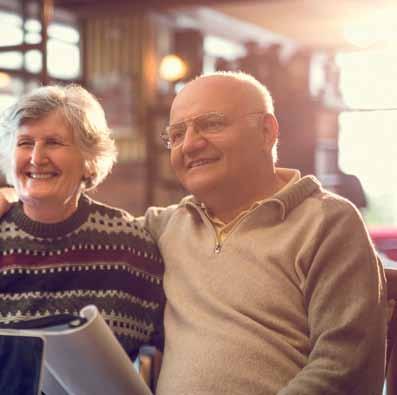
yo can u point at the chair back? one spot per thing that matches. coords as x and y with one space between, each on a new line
391 350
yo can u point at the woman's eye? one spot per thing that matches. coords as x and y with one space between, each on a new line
54 142
24 143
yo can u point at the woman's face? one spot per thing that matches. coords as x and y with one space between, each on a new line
48 168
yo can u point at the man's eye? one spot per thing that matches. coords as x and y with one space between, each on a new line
177 135
213 123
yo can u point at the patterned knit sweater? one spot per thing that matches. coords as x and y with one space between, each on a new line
100 255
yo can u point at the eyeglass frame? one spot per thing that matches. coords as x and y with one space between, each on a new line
165 135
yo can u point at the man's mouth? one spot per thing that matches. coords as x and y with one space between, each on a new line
199 162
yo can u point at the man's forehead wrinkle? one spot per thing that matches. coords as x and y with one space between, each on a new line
210 94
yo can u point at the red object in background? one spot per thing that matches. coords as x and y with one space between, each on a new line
385 240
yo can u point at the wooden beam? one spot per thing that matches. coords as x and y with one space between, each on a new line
86 7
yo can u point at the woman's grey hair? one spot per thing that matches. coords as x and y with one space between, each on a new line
82 113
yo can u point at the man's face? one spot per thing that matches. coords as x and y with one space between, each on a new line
225 161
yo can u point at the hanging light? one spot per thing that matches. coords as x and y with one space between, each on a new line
5 80
172 68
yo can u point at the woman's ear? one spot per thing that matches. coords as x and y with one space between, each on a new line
87 175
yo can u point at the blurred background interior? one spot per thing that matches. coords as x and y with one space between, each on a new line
330 65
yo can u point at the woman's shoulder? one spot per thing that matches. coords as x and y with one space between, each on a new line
114 219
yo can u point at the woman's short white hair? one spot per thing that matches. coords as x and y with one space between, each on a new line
82 113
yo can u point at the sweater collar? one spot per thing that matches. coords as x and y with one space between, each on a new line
44 230
289 197
293 195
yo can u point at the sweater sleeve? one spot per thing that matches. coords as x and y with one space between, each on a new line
156 219
345 298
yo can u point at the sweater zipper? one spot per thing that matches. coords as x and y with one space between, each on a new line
218 243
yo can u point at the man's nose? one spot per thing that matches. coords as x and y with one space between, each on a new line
193 139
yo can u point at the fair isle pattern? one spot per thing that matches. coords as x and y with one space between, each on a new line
82 294
78 267
120 324
99 256
95 223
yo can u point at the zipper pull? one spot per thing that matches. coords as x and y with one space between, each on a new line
218 247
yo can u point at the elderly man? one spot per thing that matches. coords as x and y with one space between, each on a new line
272 284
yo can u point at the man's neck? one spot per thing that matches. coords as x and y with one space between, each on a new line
226 207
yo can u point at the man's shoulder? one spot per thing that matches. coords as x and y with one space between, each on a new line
156 219
332 202
316 203
331 213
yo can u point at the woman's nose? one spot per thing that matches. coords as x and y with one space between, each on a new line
38 155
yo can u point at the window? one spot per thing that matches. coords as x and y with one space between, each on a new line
367 142
19 70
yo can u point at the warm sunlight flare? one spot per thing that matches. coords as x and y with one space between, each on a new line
367 143
377 28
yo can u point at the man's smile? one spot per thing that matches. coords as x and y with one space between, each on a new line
200 162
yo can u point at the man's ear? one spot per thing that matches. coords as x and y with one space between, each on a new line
270 130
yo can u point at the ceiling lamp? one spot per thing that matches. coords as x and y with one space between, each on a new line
172 68
5 80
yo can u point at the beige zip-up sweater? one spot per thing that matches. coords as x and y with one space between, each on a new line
291 303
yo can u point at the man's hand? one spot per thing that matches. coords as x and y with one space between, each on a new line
7 196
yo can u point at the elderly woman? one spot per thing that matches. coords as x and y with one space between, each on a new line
59 249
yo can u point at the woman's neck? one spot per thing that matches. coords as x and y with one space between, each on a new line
48 212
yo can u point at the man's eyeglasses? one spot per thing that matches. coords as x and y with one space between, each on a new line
205 124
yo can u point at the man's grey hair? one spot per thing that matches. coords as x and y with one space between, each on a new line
81 112
263 91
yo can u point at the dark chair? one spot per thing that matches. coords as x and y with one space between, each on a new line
391 275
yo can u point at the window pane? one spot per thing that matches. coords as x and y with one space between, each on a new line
33 25
10 35
33 61
63 60
367 145
8 18
64 33
33 38
11 32
367 149
366 77
11 60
